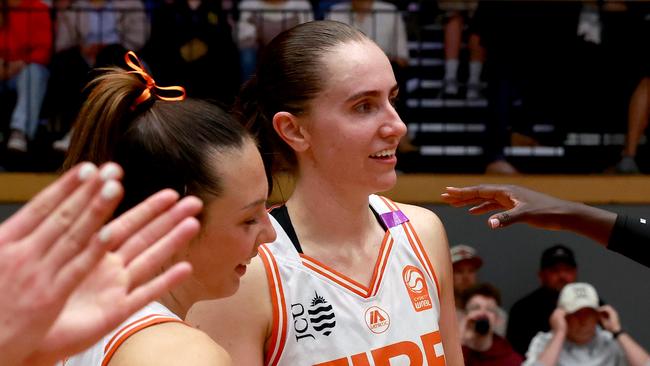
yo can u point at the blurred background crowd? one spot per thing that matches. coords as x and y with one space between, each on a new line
502 87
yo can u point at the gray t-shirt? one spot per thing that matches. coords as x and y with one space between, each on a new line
603 350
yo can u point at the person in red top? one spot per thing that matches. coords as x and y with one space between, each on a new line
25 48
481 346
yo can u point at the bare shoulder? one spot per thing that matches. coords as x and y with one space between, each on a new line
170 344
240 323
432 234
426 222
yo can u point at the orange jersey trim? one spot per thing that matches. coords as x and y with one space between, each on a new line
418 248
348 283
391 205
127 331
279 331
416 244
381 267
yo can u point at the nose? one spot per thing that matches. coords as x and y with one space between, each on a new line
267 235
393 125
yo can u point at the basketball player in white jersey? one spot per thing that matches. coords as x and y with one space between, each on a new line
194 148
353 278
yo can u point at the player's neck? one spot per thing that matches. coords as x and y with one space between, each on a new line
325 212
182 297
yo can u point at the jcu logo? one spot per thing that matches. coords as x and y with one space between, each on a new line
318 319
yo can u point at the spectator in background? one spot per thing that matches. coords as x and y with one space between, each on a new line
192 45
637 122
261 20
530 314
89 34
25 48
582 333
466 263
458 13
481 345
379 20
526 68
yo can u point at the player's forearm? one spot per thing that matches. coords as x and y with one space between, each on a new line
592 222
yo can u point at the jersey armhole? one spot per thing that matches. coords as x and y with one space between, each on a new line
130 329
279 330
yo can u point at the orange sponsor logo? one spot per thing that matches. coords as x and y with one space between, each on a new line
430 354
417 288
377 319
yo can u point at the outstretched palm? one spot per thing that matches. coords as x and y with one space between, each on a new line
122 283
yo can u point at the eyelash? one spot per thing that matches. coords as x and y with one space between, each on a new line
358 108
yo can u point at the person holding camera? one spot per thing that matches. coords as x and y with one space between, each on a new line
584 333
481 345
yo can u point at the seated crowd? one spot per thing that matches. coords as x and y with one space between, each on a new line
563 322
49 50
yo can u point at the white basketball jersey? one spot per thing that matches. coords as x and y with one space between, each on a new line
323 318
101 353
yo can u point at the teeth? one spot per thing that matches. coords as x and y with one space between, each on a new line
383 153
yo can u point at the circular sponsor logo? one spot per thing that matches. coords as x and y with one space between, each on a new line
377 319
414 280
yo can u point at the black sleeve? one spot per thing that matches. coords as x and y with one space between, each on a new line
631 237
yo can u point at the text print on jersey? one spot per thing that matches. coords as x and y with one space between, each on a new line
431 350
320 317
417 288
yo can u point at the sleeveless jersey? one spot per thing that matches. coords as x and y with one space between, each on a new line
101 353
323 318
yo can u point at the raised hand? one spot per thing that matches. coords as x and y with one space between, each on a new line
129 277
518 204
46 249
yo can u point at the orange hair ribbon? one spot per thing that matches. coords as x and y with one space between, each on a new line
151 83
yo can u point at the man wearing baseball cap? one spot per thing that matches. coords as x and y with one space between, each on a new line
530 314
466 263
584 333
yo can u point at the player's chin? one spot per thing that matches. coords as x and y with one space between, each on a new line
386 181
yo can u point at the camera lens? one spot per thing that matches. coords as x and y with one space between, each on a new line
482 326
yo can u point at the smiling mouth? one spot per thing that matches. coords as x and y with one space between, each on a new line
383 154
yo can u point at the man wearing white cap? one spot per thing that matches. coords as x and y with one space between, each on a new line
584 333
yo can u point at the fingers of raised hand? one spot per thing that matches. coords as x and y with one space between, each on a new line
159 227
456 202
485 191
125 227
144 266
81 240
72 223
484 207
155 288
32 214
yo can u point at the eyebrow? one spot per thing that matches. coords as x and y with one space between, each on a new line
371 93
253 204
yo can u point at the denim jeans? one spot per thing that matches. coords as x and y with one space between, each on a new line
30 85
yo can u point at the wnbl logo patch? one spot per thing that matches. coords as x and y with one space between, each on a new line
318 319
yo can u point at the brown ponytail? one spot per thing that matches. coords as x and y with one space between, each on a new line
160 144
